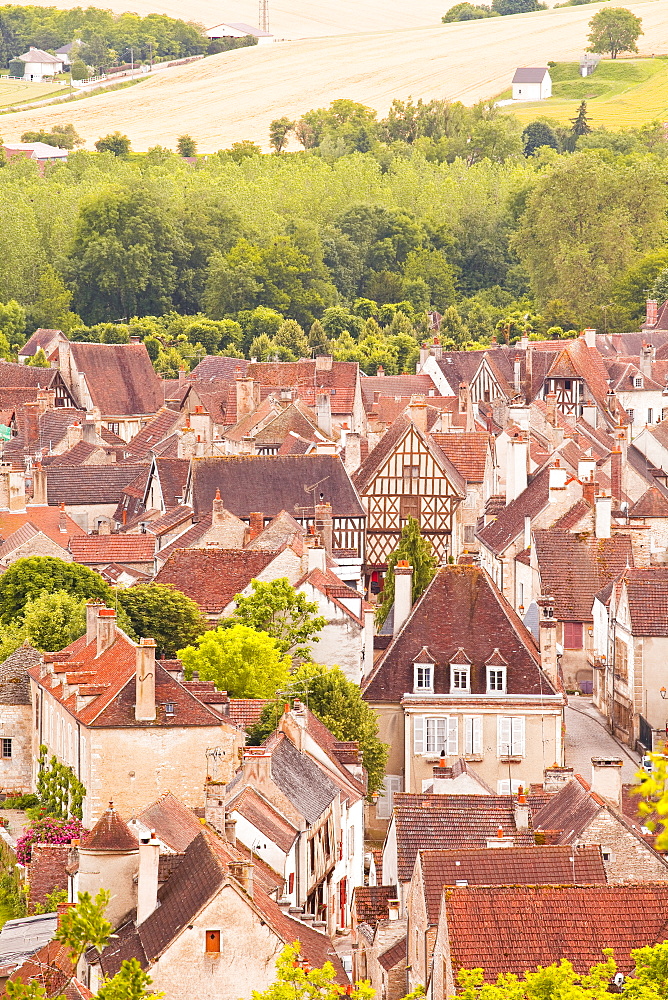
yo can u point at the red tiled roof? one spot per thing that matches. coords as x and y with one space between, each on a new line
371 902
647 595
90 484
394 955
246 711
51 968
509 522
110 833
261 814
212 577
460 609
573 568
511 929
652 503
172 473
44 519
13 375
164 423
467 452
508 866
451 822
91 549
174 824
120 378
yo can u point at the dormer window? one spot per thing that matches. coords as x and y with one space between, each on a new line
638 382
496 680
460 678
423 677
169 708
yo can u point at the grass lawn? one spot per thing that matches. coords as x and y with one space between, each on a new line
18 92
619 93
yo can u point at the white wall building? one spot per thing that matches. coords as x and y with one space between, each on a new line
39 64
532 84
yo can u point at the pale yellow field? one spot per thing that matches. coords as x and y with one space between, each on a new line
235 95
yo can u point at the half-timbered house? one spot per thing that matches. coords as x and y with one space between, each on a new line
409 475
483 371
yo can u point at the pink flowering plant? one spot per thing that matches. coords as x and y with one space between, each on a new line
47 830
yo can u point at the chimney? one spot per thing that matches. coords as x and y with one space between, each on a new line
245 397
369 632
103 527
324 525
517 375
31 429
74 434
323 409
417 412
145 681
231 831
353 454
403 593
62 519
325 448
516 467
89 432
147 880
106 629
646 358
218 511
393 908
603 515
521 812
256 520
652 312
323 363
586 469
464 396
606 778
92 608
242 871
589 490
316 558
589 337
616 474
39 485
551 408
547 639
555 777
558 477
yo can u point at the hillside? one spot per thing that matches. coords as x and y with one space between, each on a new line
236 95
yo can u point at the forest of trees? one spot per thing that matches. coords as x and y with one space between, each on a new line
345 246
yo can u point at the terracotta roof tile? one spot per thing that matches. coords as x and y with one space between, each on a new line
652 503
371 902
461 608
467 452
120 378
509 522
395 955
90 549
261 814
91 484
246 711
154 431
509 929
174 824
508 866
24 376
212 577
110 833
45 519
647 595
573 568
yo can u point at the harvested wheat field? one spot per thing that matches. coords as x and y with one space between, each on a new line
235 95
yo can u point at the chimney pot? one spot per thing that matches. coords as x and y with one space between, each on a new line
106 629
403 593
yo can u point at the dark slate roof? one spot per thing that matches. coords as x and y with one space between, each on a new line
528 74
272 483
499 533
13 374
301 781
120 377
451 822
460 609
574 568
14 681
557 865
91 484
568 812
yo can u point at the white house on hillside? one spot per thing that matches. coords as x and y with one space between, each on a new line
39 64
532 84
239 30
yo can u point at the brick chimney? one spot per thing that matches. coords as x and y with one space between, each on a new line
147 880
551 408
417 412
39 496
516 467
106 629
46 400
555 777
256 520
74 434
589 490
145 681
403 593
62 519
652 312
323 409
603 504
324 525
606 778
242 871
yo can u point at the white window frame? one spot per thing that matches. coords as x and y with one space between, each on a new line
650 415
638 382
511 735
462 668
417 686
503 786
473 735
496 670
433 733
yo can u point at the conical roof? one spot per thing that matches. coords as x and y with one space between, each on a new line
110 833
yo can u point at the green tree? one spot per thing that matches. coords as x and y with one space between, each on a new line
337 702
659 289
79 70
318 341
580 124
51 308
538 134
614 30
279 130
467 12
54 620
186 146
38 360
240 151
505 7
158 611
282 612
96 52
291 336
238 659
115 143
417 551
27 579
12 325
295 980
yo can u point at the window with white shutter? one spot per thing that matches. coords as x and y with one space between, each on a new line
510 736
453 742
503 787
418 734
473 734
436 731
392 783
518 736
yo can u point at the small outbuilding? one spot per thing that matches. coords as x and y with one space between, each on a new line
532 84
239 30
40 64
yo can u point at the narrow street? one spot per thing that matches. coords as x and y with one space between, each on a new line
587 736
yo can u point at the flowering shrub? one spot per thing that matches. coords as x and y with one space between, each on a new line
47 831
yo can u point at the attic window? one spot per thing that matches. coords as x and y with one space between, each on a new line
496 680
423 677
169 708
212 942
638 382
460 678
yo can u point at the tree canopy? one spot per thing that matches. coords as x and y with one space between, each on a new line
28 579
159 611
284 613
614 30
240 660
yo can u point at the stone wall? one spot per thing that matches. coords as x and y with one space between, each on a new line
630 858
47 871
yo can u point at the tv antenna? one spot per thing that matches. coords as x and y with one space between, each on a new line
264 16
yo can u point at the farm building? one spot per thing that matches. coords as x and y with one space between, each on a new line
532 84
239 30
39 64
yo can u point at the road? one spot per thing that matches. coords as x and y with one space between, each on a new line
587 737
